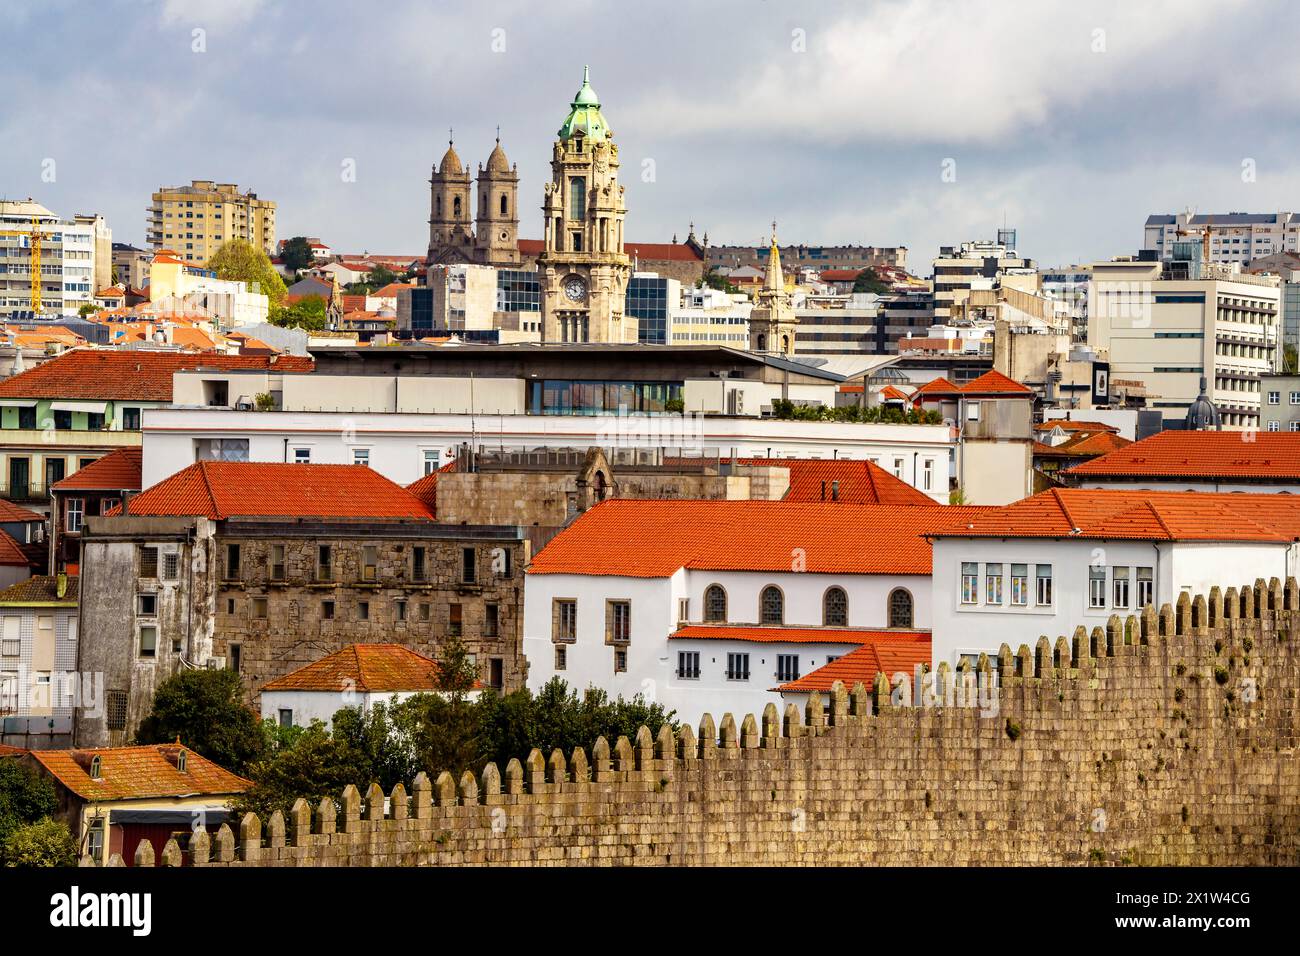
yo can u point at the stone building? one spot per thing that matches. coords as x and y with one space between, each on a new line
491 237
263 568
773 322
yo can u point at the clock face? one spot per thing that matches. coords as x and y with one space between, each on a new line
575 289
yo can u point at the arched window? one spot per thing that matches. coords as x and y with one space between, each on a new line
505 205
180 761
762 343
482 203
785 344
715 604
771 606
835 608
94 767
455 207
900 608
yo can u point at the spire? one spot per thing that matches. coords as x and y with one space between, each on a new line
773 280
584 114
450 160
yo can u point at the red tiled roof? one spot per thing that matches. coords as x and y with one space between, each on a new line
223 489
390 291
840 275
656 538
860 481
364 667
1202 455
42 589
12 554
426 489
1138 515
882 656
11 513
7 751
119 470
890 392
994 382
130 375
793 635
145 772
1093 444
936 386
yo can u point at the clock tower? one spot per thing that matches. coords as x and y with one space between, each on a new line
582 268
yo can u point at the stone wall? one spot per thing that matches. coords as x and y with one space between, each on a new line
1165 739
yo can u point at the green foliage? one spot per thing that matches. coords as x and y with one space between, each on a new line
868 281
296 253
715 280
1013 729
457 672
25 796
376 279
315 765
956 497
264 401
205 709
879 414
1289 363
308 313
675 405
46 842
241 261
88 308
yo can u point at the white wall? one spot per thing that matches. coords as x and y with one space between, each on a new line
309 705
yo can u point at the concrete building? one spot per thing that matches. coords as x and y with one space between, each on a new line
1069 285
1235 237
708 316
1280 411
196 220
178 287
69 254
981 264
1286 266
1170 326
261 567
1073 557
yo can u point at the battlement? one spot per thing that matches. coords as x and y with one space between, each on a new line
1165 738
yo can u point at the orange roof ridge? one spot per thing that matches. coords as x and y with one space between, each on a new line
1060 501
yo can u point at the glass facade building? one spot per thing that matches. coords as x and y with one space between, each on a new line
568 397
518 291
647 302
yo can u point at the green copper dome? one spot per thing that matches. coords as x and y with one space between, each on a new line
584 115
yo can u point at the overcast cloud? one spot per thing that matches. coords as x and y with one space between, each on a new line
1070 121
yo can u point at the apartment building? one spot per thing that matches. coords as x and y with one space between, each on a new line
38 647
1234 237
1280 411
74 259
981 264
1168 326
195 220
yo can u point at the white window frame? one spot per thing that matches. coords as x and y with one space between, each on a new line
1096 588
1020 586
1039 590
970 582
993 593
1120 587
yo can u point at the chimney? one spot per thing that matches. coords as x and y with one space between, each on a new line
126 501
823 491
835 490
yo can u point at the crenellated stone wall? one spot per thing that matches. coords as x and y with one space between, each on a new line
1168 738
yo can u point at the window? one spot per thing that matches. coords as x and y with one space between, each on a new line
369 562
400 610
286 717
62 420
561 657
577 197
1295 398
468 565
148 641
171 565
455 619
430 462
491 620
835 608
565 624
361 456
1145 587
324 563
1119 586
715 604
771 605
1293 426
115 709
1275 398
363 610
927 475
683 610
76 511
973 411
232 562
970 582
1274 426
1044 583
898 468
425 611
737 667
148 562
620 660
302 456
276 562
418 568
147 605
688 665
1096 587
900 608
618 622
259 608
787 667
96 768
11 643
993 584
327 610
502 562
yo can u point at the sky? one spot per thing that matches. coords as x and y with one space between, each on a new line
903 122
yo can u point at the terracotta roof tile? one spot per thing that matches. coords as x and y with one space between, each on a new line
1071 425
12 554
860 481
657 538
426 489
11 513
224 489
794 635
366 668
896 653
994 382
41 589
139 773
1202 455
936 386
143 376
119 470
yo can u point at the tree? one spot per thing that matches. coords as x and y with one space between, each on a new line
296 253
381 276
308 313
47 842
205 710
314 766
457 672
241 261
868 281
715 280
1289 360
25 796
87 308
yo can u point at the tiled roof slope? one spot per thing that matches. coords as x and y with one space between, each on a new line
994 382
119 470
12 554
890 656
860 481
108 375
224 489
1203 455
11 513
651 539
41 589
366 668
139 773
1139 515
793 635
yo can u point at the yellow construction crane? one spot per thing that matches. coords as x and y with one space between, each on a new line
34 236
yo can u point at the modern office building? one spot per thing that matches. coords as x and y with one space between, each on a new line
1239 237
982 264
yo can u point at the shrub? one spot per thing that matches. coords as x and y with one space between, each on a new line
47 842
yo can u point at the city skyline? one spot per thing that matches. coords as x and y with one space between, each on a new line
843 119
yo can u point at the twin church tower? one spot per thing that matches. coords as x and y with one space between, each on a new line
582 269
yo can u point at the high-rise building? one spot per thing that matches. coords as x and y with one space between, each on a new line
1239 237
66 258
583 269
194 221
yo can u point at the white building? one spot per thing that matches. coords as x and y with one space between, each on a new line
708 606
1071 557
359 675
1233 237
68 254
707 316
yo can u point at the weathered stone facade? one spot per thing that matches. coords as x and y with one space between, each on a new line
1165 739
267 597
